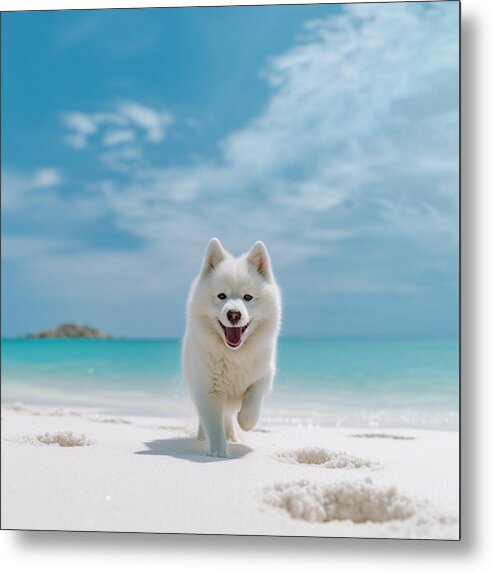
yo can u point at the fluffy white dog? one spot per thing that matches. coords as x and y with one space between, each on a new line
233 321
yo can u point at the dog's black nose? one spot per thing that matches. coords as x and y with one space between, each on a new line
233 316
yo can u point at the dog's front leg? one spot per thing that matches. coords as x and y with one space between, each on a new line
211 411
251 405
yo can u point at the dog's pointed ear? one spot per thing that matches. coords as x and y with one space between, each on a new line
214 254
260 260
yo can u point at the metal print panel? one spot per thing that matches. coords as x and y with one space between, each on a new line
230 270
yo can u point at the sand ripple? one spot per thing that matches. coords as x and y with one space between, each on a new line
357 502
323 458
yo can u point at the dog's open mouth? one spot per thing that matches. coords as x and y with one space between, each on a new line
233 336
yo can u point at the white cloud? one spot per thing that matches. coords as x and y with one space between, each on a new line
74 34
81 123
18 247
76 140
81 126
117 137
127 127
154 123
47 177
17 186
92 28
39 218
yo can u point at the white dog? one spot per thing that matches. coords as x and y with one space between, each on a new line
233 320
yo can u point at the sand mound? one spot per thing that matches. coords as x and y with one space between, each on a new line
382 436
64 439
357 502
323 458
19 407
113 420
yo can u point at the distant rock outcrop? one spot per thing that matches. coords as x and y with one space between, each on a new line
71 331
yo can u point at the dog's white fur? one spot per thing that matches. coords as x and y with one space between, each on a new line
226 382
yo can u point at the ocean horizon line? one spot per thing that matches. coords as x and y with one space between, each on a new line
282 337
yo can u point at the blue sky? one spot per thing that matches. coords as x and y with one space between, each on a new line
131 137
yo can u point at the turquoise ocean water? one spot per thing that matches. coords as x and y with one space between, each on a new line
320 381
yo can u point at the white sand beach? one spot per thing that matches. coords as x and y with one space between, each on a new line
79 469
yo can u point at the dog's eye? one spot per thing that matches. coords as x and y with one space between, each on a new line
248 297
222 296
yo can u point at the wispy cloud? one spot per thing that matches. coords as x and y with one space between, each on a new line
133 40
79 32
125 128
117 137
17 186
39 216
18 247
154 123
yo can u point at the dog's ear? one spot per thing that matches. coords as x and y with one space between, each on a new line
260 260
214 254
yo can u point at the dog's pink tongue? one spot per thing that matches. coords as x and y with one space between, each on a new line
233 336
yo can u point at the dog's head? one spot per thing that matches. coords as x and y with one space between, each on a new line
236 298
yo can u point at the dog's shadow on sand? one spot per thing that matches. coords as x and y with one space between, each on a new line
190 450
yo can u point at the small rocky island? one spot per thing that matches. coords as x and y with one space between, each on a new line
71 331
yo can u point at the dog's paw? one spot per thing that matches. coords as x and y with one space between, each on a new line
233 438
200 435
248 417
220 453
